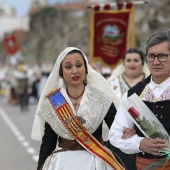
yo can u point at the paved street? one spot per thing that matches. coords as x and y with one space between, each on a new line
17 150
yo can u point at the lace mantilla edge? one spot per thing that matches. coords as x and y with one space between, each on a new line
92 113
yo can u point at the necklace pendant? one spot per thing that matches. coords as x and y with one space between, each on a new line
75 105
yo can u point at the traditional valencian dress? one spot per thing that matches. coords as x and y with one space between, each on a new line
117 81
75 137
157 98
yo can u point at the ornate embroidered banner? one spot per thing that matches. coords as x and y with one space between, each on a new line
112 33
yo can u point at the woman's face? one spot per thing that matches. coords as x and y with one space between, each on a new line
73 67
133 64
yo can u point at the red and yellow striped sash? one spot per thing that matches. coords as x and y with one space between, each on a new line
78 131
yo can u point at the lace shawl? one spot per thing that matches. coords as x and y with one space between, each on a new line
101 91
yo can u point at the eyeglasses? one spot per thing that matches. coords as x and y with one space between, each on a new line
162 57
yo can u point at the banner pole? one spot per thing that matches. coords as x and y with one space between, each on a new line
115 4
133 25
91 35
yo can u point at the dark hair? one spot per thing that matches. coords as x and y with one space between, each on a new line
135 50
158 38
73 52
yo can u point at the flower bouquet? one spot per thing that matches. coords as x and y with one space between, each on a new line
144 119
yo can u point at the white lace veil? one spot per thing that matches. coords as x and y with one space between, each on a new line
55 81
120 69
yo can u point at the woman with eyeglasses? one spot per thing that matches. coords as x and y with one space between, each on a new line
155 93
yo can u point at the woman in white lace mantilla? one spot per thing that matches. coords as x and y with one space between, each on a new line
91 100
130 72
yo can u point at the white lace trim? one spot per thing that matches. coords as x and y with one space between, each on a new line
54 82
93 114
120 69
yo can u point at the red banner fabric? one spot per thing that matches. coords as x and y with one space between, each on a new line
110 35
11 44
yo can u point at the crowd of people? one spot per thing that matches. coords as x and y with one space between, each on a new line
74 99
21 84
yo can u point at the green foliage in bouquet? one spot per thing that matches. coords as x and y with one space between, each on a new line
152 130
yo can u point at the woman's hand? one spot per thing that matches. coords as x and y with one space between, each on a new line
128 133
152 146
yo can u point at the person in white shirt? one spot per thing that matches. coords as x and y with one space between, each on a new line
155 93
124 76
